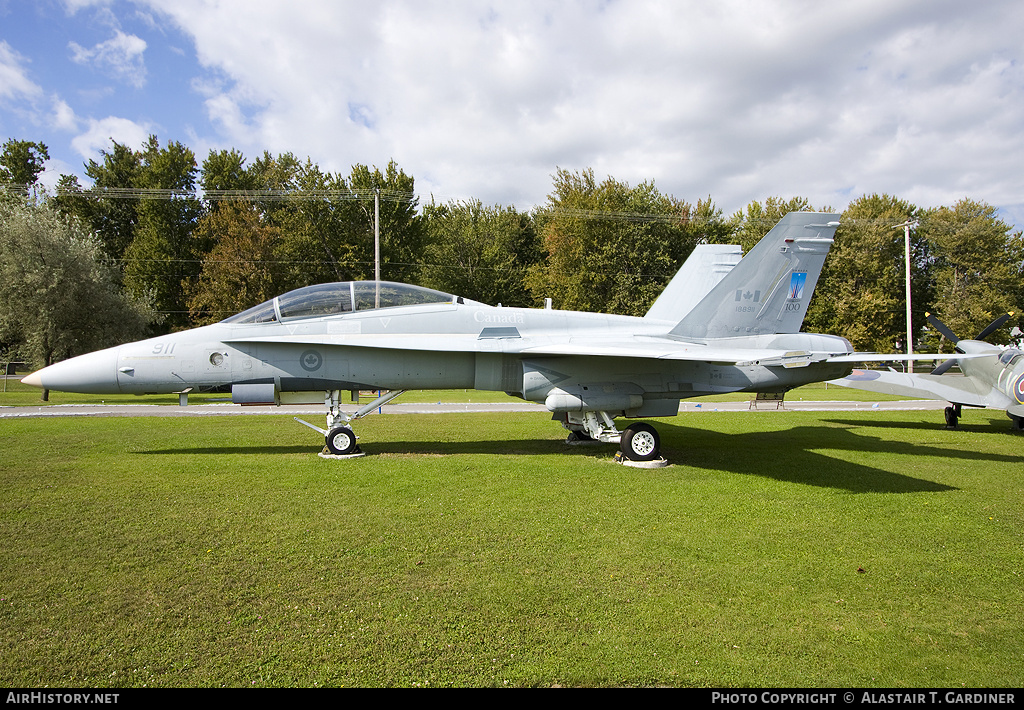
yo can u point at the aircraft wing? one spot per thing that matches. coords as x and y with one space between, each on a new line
646 347
951 388
638 347
652 348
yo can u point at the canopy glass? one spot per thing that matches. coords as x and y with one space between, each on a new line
342 297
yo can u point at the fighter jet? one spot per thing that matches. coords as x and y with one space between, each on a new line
993 377
719 326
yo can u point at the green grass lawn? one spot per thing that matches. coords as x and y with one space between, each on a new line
783 549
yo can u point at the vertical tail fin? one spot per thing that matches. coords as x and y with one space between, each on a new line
703 269
768 291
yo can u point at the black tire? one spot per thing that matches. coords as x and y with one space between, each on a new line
640 442
341 441
951 418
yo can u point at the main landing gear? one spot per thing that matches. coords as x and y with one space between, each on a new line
339 439
952 416
638 444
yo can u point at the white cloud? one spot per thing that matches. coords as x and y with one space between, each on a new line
14 81
119 57
25 97
63 118
739 100
100 133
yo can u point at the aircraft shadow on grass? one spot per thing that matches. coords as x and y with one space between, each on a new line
793 455
226 450
492 447
993 425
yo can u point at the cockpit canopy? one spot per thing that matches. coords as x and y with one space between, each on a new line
1010 357
342 297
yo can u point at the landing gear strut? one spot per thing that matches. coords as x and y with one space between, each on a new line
339 438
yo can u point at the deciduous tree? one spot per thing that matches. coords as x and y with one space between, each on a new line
402 229
57 297
110 206
21 162
611 247
482 253
861 292
977 268
165 256
240 271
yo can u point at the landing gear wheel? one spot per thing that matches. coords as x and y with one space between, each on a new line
640 442
341 441
1017 422
951 418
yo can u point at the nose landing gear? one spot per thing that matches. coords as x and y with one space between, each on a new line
339 439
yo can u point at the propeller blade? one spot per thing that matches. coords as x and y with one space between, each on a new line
941 327
944 366
994 326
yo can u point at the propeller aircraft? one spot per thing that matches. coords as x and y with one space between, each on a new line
993 377
723 324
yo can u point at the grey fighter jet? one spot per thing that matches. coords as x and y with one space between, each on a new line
720 326
993 377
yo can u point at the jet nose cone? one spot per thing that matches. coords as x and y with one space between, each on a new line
94 373
34 379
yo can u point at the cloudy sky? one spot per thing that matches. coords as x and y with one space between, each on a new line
734 99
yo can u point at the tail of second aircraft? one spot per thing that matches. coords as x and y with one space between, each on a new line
769 290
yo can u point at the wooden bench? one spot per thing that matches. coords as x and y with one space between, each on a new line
763 399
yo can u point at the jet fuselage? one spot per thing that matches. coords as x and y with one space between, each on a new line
440 346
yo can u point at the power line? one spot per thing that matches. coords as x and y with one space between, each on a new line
159 193
409 198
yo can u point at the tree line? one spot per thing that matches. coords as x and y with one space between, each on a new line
159 242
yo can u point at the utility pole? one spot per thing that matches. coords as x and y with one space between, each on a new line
906 256
376 245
